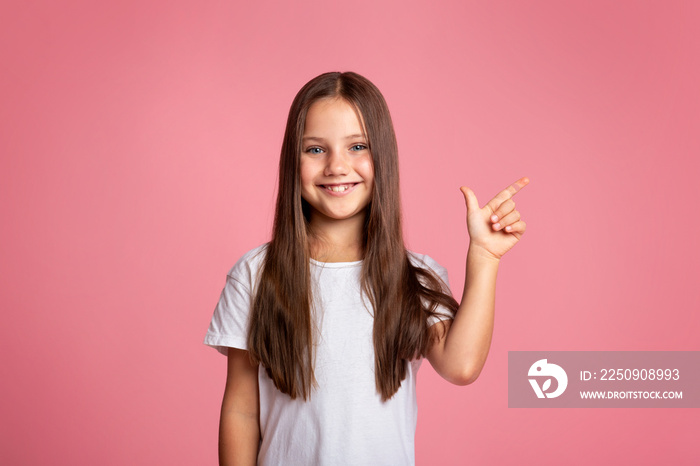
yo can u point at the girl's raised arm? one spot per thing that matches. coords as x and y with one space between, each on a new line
460 352
239 427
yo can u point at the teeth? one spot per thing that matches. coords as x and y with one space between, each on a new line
339 189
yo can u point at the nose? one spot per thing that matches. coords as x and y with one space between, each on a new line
336 164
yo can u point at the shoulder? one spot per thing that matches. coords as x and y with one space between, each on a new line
439 272
248 266
426 262
229 324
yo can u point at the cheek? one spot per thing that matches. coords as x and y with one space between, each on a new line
366 171
306 173
307 176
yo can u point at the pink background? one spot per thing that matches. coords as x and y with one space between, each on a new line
139 144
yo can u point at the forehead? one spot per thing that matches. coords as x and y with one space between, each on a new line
333 115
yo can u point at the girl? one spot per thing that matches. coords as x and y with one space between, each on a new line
326 325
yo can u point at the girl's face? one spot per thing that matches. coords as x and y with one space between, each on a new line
337 175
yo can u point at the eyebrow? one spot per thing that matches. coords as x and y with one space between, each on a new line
314 138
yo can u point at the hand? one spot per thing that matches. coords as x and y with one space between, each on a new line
497 227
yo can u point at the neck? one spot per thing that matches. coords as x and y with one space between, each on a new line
333 240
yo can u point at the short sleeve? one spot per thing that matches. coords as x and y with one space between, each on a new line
427 262
229 324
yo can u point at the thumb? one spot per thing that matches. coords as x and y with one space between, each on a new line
470 199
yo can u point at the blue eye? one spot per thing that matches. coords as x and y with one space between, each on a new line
314 150
358 147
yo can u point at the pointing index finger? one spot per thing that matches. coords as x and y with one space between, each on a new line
518 185
507 193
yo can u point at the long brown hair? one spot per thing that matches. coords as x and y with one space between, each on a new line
403 295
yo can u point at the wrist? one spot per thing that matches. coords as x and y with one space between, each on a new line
478 253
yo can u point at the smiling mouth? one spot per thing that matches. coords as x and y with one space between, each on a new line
338 188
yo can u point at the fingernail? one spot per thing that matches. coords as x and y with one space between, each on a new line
494 218
508 228
496 226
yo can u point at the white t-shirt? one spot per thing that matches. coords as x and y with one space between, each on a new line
344 421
